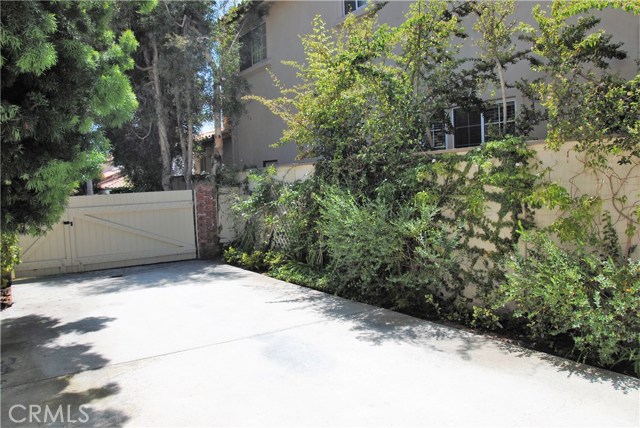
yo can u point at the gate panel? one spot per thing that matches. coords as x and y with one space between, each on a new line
49 253
108 231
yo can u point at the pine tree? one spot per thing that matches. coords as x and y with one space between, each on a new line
63 82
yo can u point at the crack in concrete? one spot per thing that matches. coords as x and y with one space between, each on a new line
195 348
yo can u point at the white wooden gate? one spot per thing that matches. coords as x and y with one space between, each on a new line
108 231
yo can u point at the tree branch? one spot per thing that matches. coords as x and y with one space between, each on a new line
148 132
142 68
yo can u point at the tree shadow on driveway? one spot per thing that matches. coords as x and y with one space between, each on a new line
626 384
38 387
379 326
109 281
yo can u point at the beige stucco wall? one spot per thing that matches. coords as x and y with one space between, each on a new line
226 198
566 167
286 20
617 185
227 195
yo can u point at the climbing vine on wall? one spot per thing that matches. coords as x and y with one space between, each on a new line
447 235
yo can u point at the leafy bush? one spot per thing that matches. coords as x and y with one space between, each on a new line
277 265
483 193
396 256
273 214
10 256
389 222
299 273
252 212
592 301
414 246
253 260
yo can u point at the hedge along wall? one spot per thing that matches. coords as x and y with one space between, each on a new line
227 195
618 187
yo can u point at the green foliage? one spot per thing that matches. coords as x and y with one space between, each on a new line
363 244
346 100
496 45
404 252
358 101
196 65
384 223
255 215
593 302
584 101
224 64
63 82
428 233
573 7
170 82
300 273
10 256
581 220
254 260
278 215
433 71
277 265
485 193
576 215
389 255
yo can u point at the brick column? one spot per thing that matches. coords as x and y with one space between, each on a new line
206 219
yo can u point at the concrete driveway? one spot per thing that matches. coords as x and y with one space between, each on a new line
204 344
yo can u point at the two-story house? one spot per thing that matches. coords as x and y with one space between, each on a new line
270 35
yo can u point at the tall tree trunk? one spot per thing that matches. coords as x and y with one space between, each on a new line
188 159
218 146
183 142
163 139
503 88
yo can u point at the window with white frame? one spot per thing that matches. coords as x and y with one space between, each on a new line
472 127
438 136
352 5
253 46
494 123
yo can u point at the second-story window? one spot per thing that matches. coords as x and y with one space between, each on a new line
438 136
467 127
494 122
472 127
351 5
253 47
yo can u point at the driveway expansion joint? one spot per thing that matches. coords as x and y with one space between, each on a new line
181 351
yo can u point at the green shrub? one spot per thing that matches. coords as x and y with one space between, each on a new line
253 260
299 273
10 256
275 215
252 212
232 255
362 244
592 301
395 256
